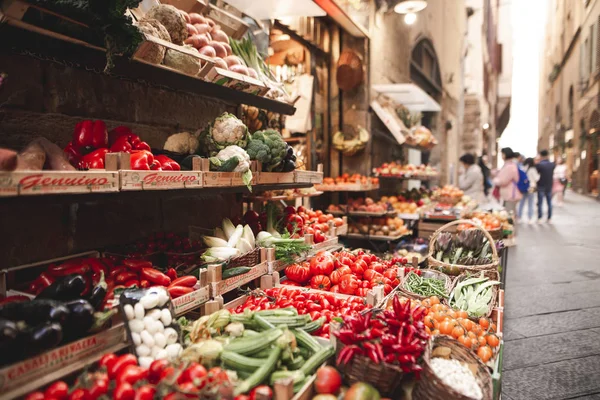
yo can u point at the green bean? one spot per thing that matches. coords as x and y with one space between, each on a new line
424 286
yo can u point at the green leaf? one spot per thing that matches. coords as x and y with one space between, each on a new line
247 178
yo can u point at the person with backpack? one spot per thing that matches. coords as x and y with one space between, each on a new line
533 176
509 181
544 187
470 181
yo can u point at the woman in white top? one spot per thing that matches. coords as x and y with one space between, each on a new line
471 180
560 181
533 176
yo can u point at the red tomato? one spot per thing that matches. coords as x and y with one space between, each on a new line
348 284
391 273
377 280
190 390
145 392
194 371
364 284
328 380
377 267
319 237
335 289
346 261
362 292
371 274
320 282
82 394
366 258
321 264
322 219
261 392
335 276
59 390
107 360
299 273
132 374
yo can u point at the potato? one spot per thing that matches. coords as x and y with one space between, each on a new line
219 36
219 62
219 48
196 18
208 51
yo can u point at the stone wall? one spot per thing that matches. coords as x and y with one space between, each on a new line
47 99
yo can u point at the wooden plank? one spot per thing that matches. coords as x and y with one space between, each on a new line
221 287
191 301
160 180
31 183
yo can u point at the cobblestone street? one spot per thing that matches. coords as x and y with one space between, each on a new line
552 313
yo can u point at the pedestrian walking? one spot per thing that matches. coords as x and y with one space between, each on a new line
471 180
487 182
533 176
507 179
560 181
544 186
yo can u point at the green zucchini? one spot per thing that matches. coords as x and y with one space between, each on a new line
239 362
314 325
297 376
249 332
231 272
278 312
261 374
290 322
316 360
253 344
305 340
295 363
262 322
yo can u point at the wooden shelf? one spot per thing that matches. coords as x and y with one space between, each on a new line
63 49
406 178
375 237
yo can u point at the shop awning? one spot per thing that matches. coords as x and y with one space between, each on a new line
276 9
410 96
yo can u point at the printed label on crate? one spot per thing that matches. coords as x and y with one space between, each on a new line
191 300
308 177
219 179
159 180
23 372
236 281
46 182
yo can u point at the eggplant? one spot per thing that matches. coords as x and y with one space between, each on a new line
80 320
35 311
8 333
65 288
43 337
98 293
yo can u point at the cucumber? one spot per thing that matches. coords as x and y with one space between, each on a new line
239 362
261 374
305 340
316 360
313 326
231 272
253 344
296 363
278 312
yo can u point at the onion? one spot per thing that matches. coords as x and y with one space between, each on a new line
232 60
240 69
202 28
252 72
192 30
208 51
219 48
220 63
210 22
186 16
219 36
197 41
197 18
227 48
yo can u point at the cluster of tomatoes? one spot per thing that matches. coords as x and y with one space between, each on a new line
478 336
302 221
352 273
317 305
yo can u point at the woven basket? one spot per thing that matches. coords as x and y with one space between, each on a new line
249 259
448 200
455 269
491 275
384 377
426 273
430 387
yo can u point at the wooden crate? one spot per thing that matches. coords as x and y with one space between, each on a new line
427 228
221 179
220 286
233 26
269 178
31 183
236 81
315 177
195 299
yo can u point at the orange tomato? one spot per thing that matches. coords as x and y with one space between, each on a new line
458 332
484 323
485 353
435 332
492 340
429 321
436 307
446 328
434 300
439 316
462 314
482 341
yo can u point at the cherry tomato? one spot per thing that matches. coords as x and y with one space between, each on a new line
191 373
156 369
59 390
35 396
261 392
99 388
82 394
131 374
107 360
119 364
145 392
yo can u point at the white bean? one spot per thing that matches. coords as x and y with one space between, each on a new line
137 340
139 311
149 301
142 350
161 355
147 338
160 340
166 317
136 325
173 351
145 361
128 308
171 335
154 314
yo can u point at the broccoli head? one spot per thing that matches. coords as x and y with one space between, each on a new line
259 151
267 147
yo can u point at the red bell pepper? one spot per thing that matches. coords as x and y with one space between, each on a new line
141 160
121 145
79 267
156 166
141 146
90 135
94 160
167 163
73 155
122 131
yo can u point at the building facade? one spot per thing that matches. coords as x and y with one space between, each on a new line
570 67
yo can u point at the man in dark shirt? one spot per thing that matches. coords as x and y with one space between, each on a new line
544 186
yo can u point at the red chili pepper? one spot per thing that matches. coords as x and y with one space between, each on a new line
171 273
167 163
178 291
94 160
141 159
125 276
144 284
79 267
45 280
188 280
136 265
14 299
132 282
155 276
116 271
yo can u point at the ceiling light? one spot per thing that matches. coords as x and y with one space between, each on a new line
410 6
410 18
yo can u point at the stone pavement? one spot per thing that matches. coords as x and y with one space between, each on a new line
552 307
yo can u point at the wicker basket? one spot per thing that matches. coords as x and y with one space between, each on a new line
491 275
249 259
448 200
426 273
430 387
455 269
384 377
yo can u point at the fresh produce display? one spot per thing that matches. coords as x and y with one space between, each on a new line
178 250
408 202
424 286
391 227
489 221
448 192
468 247
352 146
321 307
366 204
458 376
152 325
396 169
347 179
262 347
352 273
228 241
473 295
479 335
394 336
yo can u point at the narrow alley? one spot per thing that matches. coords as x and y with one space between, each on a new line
552 312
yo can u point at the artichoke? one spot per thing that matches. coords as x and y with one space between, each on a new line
226 130
442 244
